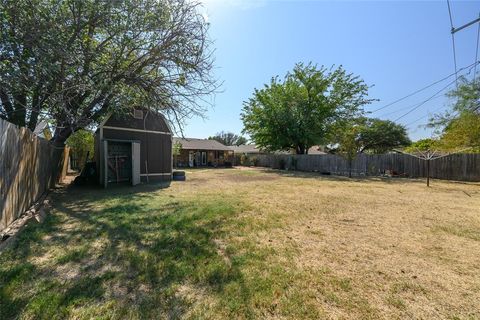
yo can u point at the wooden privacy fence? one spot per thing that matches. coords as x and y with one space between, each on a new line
28 167
461 167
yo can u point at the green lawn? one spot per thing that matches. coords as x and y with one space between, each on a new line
250 244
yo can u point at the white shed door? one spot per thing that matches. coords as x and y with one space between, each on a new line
135 163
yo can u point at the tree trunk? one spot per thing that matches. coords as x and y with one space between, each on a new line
6 103
61 135
300 149
32 122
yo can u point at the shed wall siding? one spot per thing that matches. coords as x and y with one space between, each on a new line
156 149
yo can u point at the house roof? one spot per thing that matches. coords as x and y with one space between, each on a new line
316 150
200 144
252 149
42 130
246 148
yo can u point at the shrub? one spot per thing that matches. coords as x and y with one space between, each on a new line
82 144
254 161
282 164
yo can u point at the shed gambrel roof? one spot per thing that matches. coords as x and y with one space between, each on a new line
150 120
201 144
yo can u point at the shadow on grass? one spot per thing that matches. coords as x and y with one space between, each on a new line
118 253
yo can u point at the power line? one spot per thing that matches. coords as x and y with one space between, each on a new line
423 117
403 109
455 60
450 14
453 31
455 114
438 109
425 101
426 87
453 42
476 54
436 95
410 123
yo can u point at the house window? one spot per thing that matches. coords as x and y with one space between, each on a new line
138 114
204 158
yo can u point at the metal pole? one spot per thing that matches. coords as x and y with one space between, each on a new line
465 25
146 171
428 172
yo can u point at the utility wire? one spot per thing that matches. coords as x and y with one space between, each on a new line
455 60
426 87
403 109
410 123
455 114
423 117
450 14
436 95
425 101
476 54
453 42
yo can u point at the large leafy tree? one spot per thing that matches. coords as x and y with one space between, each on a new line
73 61
302 109
229 138
379 136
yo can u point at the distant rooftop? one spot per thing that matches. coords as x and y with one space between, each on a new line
246 148
252 149
317 150
200 144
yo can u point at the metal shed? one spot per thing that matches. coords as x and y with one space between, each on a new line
134 148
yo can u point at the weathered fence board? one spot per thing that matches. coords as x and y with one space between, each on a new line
461 167
28 167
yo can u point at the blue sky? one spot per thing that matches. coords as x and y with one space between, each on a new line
397 47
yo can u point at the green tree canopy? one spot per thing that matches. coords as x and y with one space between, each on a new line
302 109
74 60
379 136
177 148
367 135
459 127
422 145
229 138
81 144
462 132
176 151
348 140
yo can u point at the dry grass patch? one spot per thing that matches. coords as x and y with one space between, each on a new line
252 244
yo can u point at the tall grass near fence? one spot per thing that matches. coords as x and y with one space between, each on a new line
28 167
460 167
